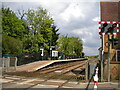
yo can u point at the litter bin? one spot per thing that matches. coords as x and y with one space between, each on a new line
6 55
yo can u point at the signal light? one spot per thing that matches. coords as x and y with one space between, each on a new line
105 24
103 27
114 25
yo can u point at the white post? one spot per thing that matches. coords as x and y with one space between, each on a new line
96 79
3 63
7 63
15 63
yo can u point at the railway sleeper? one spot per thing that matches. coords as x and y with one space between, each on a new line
65 69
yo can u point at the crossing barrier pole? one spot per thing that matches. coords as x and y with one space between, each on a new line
96 79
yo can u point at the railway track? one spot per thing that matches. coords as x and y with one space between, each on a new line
65 69
60 66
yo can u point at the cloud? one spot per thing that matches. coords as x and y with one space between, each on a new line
90 51
89 35
96 19
73 11
52 0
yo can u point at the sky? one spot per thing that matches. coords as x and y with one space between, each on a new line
73 18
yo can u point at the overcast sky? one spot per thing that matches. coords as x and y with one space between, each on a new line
75 18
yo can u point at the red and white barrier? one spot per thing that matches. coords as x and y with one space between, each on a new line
108 22
96 79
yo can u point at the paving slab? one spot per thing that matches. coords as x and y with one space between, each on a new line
62 81
12 78
52 83
34 79
45 86
15 85
65 87
19 81
107 86
72 82
36 82
80 86
69 85
5 80
27 82
9 85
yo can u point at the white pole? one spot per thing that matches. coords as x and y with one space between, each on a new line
16 63
96 79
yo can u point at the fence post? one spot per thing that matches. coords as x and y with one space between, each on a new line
3 63
7 63
16 63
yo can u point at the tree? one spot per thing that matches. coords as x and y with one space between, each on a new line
70 45
11 45
55 35
41 30
34 29
11 25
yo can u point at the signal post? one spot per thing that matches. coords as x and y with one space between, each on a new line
109 33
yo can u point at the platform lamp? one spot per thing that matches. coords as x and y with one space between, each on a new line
51 43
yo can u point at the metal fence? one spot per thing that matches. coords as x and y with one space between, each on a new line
26 58
9 63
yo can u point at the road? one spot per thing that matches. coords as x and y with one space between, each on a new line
23 83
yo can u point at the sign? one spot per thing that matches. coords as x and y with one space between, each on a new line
54 53
109 28
42 51
117 55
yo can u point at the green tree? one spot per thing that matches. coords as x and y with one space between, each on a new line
11 25
41 30
70 45
55 35
33 28
11 45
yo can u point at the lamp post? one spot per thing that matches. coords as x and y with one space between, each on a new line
51 44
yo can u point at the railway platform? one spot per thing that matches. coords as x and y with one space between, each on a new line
41 64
